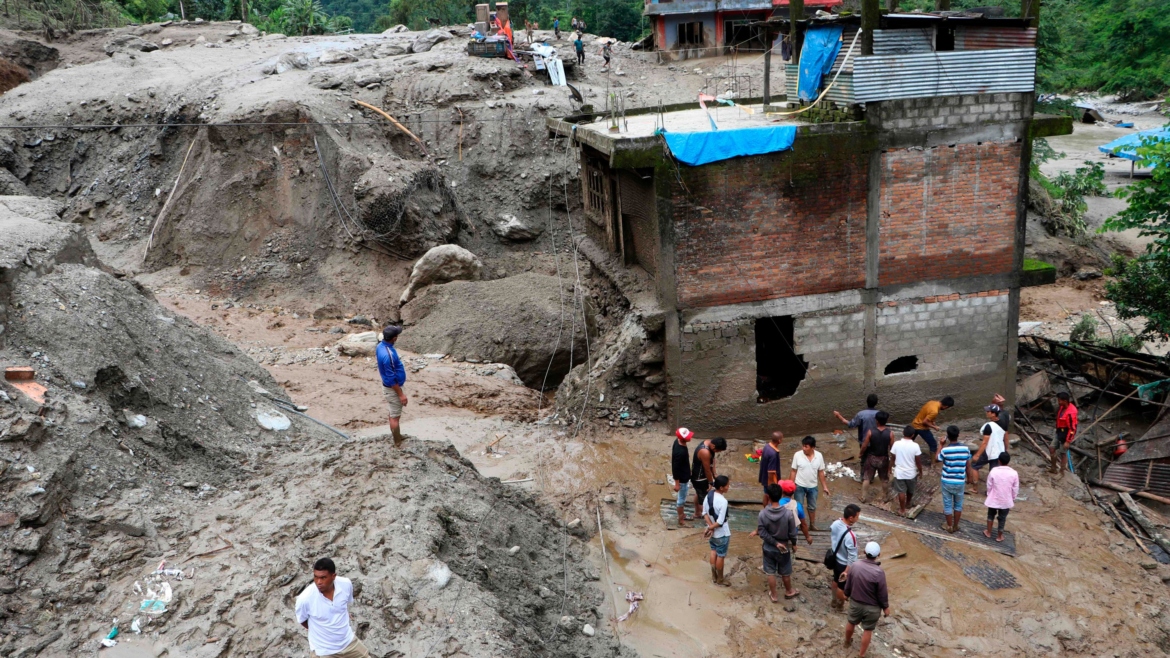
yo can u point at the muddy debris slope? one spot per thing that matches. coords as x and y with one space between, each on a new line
144 440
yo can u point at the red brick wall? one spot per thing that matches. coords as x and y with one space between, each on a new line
780 225
948 211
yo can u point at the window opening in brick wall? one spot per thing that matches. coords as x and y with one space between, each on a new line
902 364
779 369
690 34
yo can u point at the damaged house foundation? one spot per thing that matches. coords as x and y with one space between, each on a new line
881 252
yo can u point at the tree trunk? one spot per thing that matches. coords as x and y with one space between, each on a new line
1145 523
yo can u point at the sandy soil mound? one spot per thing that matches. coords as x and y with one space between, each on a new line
144 443
527 321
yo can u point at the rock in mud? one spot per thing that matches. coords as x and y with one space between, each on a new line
425 42
129 43
442 264
530 322
396 29
10 185
336 57
407 205
510 228
360 344
389 50
286 62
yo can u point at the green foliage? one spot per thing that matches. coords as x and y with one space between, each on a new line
1141 286
1068 191
1085 181
1031 264
1085 330
414 13
1115 46
1042 152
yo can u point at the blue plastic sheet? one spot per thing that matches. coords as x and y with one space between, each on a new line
1126 147
821 45
702 148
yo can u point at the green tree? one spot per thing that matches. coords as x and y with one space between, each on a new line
1141 286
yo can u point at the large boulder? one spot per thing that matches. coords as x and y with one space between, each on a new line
424 42
406 205
529 322
511 229
448 262
286 62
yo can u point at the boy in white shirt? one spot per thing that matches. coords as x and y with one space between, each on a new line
718 531
907 456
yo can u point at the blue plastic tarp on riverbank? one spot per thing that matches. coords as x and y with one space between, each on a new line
821 45
1126 147
705 147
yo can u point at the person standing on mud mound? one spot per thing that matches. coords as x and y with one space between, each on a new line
680 470
393 377
1003 485
863 420
808 469
703 469
844 544
580 47
770 465
1066 431
907 457
718 532
776 528
323 608
924 423
557 28
875 454
869 598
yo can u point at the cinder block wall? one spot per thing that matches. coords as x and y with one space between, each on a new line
951 111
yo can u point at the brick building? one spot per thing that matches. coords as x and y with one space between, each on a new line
879 254
686 29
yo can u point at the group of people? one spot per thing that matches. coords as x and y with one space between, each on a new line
790 505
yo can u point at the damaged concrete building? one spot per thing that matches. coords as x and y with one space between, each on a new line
880 253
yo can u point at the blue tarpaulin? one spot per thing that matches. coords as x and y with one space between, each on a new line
1126 147
705 147
821 45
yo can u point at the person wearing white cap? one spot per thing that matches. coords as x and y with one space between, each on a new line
680 470
869 599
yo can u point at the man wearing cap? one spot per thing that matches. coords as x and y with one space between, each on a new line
788 489
770 464
393 377
869 599
993 441
680 470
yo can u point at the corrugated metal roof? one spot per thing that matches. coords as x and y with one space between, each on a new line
886 77
1154 444
901 42
846 39
986 37
1150 476
842 91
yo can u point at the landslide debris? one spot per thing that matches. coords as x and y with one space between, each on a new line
148 447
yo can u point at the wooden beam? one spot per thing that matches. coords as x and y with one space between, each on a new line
871 15
1133 492
1141 519
796 31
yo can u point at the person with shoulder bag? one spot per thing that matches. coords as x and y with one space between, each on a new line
843 552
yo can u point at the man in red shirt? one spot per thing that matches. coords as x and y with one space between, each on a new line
1066 431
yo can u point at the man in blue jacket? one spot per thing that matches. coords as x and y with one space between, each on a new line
393 377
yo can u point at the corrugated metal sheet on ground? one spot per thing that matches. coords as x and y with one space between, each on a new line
924 75
842 91
929 522
981 571
1150 476
985 37
901 42
1154 444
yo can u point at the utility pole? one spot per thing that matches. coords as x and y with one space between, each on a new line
870 19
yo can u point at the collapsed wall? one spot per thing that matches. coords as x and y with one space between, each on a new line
144 438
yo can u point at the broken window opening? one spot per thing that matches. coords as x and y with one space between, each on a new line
779 369
902 364
690 34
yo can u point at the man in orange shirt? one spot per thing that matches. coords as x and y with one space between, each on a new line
1066 431
924 423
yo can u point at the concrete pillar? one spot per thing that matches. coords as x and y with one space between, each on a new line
481 13
502 12
871 15
796 32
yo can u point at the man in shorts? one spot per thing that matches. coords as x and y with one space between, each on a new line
703 469
844 542
1066 431
776 528
718 532
770 464
875 453
923 424
393 374
869 598
907 456
955 458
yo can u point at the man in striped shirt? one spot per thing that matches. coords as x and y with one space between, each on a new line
955 458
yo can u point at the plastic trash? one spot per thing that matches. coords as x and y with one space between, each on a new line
108 643
152 607
134 626
273 420
113 631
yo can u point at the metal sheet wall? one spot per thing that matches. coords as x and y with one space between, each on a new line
902 42
982 37
842 91
886 77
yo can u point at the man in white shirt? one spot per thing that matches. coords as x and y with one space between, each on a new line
994 436
324 610
808 468
718 531
907 456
